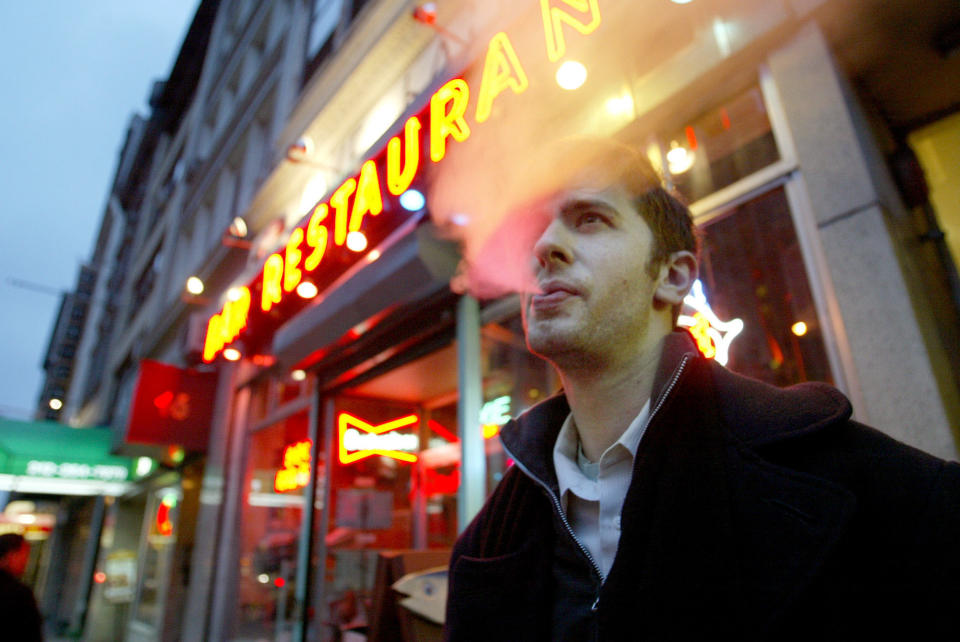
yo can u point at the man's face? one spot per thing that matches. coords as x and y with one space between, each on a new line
595 293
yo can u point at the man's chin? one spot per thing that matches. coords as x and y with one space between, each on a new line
548 345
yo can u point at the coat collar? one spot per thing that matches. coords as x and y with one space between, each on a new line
711 522
752 411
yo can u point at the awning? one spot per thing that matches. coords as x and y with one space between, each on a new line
47 457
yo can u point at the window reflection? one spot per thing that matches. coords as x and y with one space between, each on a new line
717 149
269 533
752 268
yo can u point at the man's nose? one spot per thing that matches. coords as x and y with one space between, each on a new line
553 246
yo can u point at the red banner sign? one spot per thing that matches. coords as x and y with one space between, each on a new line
171 406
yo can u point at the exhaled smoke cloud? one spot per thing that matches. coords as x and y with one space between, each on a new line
489 190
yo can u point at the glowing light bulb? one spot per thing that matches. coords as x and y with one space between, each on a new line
619 105
679 159
356 241
263 578
238 227
571 75
194 285
231 354
298 375
234 294
307 290
373 256
412 200
799 328
55 404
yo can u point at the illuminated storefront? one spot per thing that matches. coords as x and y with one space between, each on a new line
367 395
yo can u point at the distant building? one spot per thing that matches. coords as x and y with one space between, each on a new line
60 359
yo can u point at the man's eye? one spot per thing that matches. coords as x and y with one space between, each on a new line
589 218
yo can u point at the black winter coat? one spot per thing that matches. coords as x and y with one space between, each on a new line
754 513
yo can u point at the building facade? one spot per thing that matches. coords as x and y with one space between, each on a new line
322 168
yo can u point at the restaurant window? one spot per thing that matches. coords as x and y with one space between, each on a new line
162 521
394 479
513 380
718 148
752 269
277 471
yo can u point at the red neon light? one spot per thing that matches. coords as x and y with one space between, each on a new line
279 582
296 467
489 431
348 422
164 521
173 405
99 577
691 138
441 430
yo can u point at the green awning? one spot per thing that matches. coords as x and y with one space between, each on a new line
47 457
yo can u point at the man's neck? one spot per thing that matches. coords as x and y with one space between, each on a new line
605 399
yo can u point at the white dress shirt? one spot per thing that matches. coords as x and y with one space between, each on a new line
592 493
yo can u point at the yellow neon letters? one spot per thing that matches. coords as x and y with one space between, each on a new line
368 199
340 202
362 195
227 325
398 180
291 261
316 237
214 339
501 70
272 275
448 122
555 17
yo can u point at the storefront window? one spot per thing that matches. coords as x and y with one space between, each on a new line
720 147
394 479
752 269
513 380
278 469
162 521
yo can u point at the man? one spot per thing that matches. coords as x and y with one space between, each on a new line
661 496
19 617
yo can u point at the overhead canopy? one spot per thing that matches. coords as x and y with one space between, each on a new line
47 457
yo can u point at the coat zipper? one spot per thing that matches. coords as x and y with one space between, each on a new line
556 500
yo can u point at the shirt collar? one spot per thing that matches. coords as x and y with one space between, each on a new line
566 446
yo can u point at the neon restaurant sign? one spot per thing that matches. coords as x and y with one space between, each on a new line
366 207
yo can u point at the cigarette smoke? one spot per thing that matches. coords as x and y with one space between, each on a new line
488 192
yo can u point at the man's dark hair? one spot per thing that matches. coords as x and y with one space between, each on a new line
671 224
10 543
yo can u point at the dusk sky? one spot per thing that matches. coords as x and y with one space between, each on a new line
73 74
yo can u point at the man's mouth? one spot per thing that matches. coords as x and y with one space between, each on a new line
552 294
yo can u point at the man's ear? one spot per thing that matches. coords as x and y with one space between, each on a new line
677 275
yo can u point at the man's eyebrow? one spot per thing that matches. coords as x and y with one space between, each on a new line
575 206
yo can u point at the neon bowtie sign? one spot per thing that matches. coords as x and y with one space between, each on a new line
359 440
713 336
